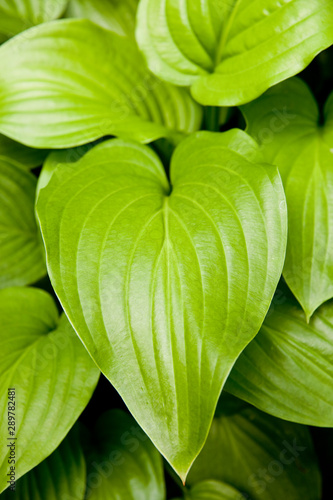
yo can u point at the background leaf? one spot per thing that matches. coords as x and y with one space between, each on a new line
125 461
213 490
115 15
27 157
262 456
54 377
285 121
62 476
232 51
95 84
19 15
168 284
22 258
287 370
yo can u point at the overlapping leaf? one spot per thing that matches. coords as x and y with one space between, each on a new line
171 281
126 462
287 370
115 15
285 121
231 51
62 476
22 259
19 15
53 376
95 84
262 456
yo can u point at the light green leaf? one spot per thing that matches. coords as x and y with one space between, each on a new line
27 157
288 368
171 281
19 15
42 358
62 476
127 464
115 15
22 259
231 51
260 455
213 490
95 84
285 121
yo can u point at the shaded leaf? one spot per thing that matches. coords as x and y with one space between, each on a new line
285 121
42 358
62 476
123 463
260 455
287 370
231 51
95 84
22 259
166 283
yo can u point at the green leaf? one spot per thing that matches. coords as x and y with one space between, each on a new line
287 370
22 259
213 490
42 358
165 280
19 15
115 15
124 460
231 51
260 455
285 121
62 476
95 84
27 157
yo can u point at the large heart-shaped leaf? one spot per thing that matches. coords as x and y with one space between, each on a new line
260 455
62 476
231 51
95 84
115 15
22 259
44 362
27 157
127 464
285 121
164 284
19 15
213 490
287 370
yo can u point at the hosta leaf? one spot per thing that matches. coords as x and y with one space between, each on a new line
22 258
95 84
213 490
285 122
53 376
231 51
288 368
27 157
127 464
19 15
115 15
172 282
260 455
62 476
